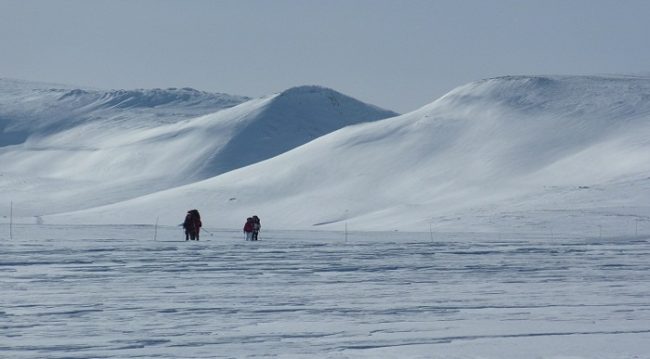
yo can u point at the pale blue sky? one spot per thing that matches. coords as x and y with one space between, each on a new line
399 55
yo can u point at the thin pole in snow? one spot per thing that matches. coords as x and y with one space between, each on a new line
155 231
346 225
11 220
206 231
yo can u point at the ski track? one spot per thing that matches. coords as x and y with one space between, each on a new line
114 292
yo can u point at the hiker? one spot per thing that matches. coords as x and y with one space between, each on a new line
192 225
256 227
248 229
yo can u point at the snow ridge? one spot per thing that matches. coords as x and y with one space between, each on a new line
186 97
28 108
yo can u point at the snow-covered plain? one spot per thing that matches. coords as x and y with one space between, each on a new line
115 292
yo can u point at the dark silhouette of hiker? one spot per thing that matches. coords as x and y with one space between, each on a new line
256 227
248 229
192 225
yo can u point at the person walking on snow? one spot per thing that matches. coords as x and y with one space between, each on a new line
192 225
248 229
256 227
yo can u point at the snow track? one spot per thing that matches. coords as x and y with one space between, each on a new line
113 292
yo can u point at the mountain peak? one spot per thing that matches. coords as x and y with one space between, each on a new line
580 95
288 120
302 100
308 89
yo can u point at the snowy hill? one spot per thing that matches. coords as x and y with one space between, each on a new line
279 123
67 149
505 154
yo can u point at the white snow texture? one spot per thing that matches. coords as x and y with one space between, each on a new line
114 292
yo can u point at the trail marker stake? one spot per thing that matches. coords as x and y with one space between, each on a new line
11 220
155 231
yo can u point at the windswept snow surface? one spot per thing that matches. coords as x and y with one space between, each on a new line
70 149
114 292
531 154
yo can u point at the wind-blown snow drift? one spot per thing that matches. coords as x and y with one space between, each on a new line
81 148
512 153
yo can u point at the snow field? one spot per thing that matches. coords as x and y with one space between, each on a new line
114 292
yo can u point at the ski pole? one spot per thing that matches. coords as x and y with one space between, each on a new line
205 230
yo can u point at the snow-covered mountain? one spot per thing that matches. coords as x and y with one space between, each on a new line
276 124
66 149
505 154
